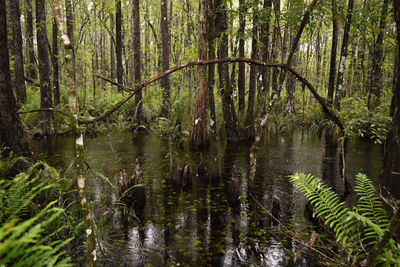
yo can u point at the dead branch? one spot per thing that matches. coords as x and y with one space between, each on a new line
43 110
330 112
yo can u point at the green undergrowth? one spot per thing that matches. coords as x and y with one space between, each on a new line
358 120
356 230
35 229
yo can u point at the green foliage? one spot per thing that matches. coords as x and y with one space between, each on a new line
29 235
358 230
361 122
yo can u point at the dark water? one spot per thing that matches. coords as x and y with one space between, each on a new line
202 225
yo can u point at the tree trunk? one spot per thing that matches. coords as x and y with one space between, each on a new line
332 69
265 50
343 55
56 86
19 79
318 55
242 66
391 169
166 51
112 50
46 99
12 132
210 88
228 107
70 33
249 124
118 42
31 74
291 91
198 136
136 58
374 96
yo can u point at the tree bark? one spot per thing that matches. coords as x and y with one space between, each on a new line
249 124
12 132
166 51
29 41
265 50
391 169
118 42
210 87
242 66
332 69
136 58
112 50
56 86
198 136
228 107
343 55
374 96
318 55
19 80
46 99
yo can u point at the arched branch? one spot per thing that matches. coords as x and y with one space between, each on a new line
330 112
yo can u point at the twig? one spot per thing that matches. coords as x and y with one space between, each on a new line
290 233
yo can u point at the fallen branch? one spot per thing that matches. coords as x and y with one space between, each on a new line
43 110
133 91
31 81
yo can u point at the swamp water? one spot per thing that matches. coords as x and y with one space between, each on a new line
201 225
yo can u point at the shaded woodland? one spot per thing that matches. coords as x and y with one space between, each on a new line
201 72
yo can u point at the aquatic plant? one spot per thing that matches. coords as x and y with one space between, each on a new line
356 231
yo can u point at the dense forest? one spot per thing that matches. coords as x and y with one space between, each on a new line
209 87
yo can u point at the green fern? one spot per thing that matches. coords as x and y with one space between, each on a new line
356 230
33 241
327 205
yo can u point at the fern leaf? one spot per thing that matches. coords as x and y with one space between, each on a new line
327 205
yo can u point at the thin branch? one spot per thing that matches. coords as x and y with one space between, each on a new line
43 110
290 233
330 112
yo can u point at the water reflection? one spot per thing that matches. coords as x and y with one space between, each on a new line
201 224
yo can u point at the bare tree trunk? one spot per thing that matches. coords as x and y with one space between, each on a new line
95 57
12 132
391 169
166 51
291 91
19 79
332 70
265 50
242 66
118 41
56 86
374 96
249 124
198 136
112 50
228 107
29 41
46 99
136 57
210 87
343 55
70 33
318 55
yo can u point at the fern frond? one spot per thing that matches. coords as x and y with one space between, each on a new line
327 204
369 204
370 207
